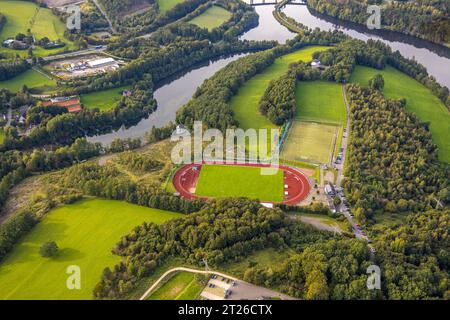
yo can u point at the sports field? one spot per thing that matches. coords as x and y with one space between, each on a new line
245 103
166 5
182 286
309 142
30 78
85 232
237 181
103 100
212 18
24 15
420 101
320 101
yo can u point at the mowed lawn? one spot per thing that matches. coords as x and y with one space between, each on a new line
245 103
23 15
103 100
238 181
30 78
85 233
320 101
309 142
420 101
182 286
166 5
212 18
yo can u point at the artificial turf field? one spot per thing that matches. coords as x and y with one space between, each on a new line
309 142
217 181
103 100
24 15
182 286
420 101
320 101
245 103
30 78
166 5
85 233
212 18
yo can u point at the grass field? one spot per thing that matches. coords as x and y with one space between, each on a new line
182 286
212 18
23 15
103 100
245 103
320 101
85 233
30 78
309 142
237 181
420 101
166 5
2 135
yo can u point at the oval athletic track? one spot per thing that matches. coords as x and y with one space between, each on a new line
295 182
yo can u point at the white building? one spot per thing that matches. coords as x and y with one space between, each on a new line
105 62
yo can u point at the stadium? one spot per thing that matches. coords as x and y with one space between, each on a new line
211 180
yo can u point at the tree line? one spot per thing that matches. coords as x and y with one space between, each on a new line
426 19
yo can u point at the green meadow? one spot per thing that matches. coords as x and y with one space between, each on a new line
420 101
166 5
245 103
30 78
103 100
85 233
320 101
24 15
212 18
182 286
239 181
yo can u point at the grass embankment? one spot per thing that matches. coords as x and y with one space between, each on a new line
420 101
103 100
236 181
85 233
181 286
212 18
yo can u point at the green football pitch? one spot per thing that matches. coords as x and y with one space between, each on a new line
240 181
309 142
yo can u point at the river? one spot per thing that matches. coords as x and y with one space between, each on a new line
170 97
176 93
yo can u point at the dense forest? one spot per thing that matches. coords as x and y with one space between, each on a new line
392 163
427 19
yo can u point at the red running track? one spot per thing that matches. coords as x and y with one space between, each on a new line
295 182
